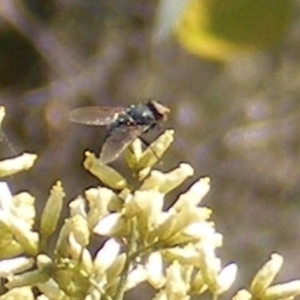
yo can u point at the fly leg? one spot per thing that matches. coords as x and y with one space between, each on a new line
148 145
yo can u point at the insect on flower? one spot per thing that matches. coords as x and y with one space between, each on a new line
124 124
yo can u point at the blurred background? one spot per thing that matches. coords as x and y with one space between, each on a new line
229 71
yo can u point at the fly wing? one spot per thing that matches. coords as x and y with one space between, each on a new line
118 140
94 115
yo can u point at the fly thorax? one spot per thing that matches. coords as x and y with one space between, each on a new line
142 115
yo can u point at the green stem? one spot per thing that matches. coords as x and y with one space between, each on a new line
131 249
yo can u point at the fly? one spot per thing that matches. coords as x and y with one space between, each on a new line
124 124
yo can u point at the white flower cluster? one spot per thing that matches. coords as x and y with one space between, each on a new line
172 249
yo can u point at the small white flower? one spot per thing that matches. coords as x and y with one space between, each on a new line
265 276
77 207
147 207
51 290
135 277
17 164
2 114
283 291
205 232
165 182
226 277
100 201
15 265
155 150
194 195
210 267
105 173
78 252
185 255
110 224
154 268
107 255
6 199
242 295
176 287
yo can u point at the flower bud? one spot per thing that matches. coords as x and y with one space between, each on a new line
194 195
20 163
103 172
15 265
265 276
156 150
282 291
52 210
106 255
242 295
